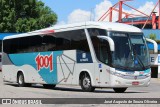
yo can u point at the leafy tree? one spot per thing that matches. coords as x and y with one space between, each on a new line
25 15
152 36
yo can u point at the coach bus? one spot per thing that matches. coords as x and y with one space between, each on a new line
89 54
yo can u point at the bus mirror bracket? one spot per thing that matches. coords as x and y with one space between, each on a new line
110 41
155 45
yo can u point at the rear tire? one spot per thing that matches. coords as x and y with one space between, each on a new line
49 86
119 90
86 84
20 79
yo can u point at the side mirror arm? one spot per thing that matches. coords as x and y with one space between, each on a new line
110 41
155 45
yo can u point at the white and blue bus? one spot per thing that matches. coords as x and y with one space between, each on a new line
89 54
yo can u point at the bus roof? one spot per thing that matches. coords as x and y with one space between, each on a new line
91 24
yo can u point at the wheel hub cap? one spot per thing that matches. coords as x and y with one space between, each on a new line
86 83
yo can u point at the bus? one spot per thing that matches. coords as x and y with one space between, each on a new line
0 55
89 54
0 61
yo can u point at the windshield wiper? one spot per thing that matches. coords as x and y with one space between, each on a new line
135 54
137 57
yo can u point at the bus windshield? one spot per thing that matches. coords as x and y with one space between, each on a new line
131 52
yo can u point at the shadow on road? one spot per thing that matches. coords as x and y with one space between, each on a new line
75 89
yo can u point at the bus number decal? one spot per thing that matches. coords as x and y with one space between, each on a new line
44 62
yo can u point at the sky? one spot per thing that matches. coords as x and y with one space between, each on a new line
70 11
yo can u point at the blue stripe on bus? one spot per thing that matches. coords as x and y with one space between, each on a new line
50 77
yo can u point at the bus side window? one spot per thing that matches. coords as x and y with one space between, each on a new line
0 57
50 42
101 47
23 45
104 51
6 45
11 46
72 40
79 41
35 43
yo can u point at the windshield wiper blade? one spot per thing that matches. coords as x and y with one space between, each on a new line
139 60
135 54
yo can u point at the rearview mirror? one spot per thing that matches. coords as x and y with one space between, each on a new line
155 45
110 41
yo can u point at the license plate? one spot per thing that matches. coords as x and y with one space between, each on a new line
135 83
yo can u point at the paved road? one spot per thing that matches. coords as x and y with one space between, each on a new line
8 90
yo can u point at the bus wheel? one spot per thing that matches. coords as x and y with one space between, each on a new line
49 86
119 90
86 84
21 82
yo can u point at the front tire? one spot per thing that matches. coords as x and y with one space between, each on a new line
86 84
119 90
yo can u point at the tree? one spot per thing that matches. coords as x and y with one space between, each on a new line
25 15
152 36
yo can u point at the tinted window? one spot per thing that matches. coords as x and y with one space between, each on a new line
63 41
23 45
6 46
79 41
10 46
72 40
69 40
0 58
49 43
29 44
101 46
1 45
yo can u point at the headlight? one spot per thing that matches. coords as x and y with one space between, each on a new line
149 74
118 74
